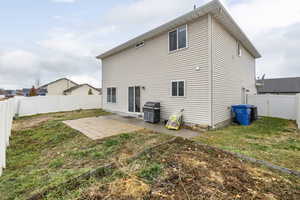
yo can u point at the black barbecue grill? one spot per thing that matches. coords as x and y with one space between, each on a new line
151 112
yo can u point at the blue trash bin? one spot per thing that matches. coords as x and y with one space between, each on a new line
242 114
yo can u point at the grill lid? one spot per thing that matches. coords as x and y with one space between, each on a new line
152 105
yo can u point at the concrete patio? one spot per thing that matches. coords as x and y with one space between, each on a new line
109 125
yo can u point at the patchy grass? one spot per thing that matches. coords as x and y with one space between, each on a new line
49 153
26 122
183 169
150 172
271 139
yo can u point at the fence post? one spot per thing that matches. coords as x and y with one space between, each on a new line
6 117
2 137
268 105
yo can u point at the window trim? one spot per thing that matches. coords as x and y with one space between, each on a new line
134 100
184 89
187 39
176 40
111 95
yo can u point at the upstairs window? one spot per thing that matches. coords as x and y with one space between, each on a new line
173 40
182 37
178 38
111 95
178 88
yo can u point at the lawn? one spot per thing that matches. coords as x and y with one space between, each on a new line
271 139
44 152
45 156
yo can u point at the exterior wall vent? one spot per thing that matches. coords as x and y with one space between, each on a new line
140 44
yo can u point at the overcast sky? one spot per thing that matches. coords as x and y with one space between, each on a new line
51 39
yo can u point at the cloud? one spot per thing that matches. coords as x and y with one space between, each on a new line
257 16
69 51
18 67
147 11
76 43
64 1
148 14
280 47
63 53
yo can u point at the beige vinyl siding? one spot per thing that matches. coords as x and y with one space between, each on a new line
58 87
230 73
153 67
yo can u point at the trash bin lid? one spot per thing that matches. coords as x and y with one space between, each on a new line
243 106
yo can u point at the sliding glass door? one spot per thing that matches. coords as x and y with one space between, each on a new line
134 99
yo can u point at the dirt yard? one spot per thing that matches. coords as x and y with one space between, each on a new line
44 152
46 156
185 170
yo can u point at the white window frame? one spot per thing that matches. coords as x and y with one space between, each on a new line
141 108
184 88
111 95
187 39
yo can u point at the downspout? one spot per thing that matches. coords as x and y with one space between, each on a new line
210 64
102 89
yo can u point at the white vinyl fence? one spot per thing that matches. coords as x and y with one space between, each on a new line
47 104
6 118
281 106
23 106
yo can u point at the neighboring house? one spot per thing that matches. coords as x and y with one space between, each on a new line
40 92
83 89
2 91
19 93
26 92
201 62
10 93
58 87
287 86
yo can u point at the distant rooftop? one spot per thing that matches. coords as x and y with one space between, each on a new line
280 85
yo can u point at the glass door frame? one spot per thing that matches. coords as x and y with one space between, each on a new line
134 99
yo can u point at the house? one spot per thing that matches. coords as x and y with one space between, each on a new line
2 91
65 86
58 87
40 92
285 86
19 92
201 62
83 89
10 93
26 92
